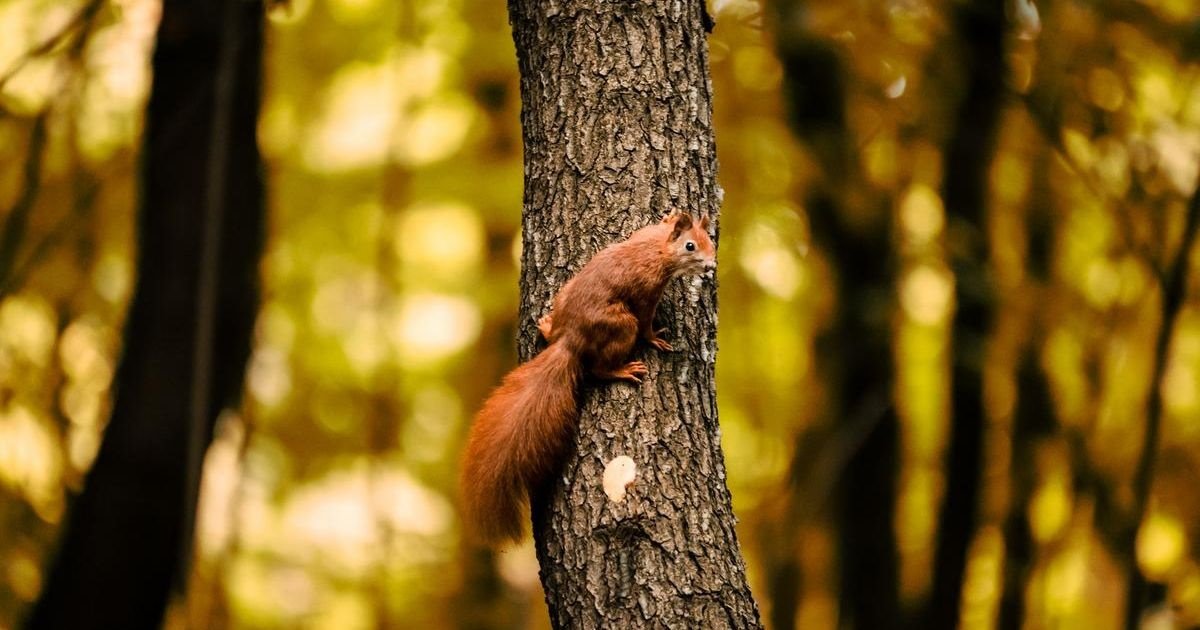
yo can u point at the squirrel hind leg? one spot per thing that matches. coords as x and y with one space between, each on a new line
613 338
653 338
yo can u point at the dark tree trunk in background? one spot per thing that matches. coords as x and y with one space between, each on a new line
1033 421
869 586
967 159
858 353
856 350
1032 425
127 540
618 130
1140 592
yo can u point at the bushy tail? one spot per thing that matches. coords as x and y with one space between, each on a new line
519 438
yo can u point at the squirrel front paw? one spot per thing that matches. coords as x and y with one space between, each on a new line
544 324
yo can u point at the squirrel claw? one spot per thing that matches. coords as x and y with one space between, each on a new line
633 372
655 339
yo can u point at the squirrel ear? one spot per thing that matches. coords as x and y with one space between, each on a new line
683 221
704 224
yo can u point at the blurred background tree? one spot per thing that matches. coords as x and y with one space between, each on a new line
127 537
957 269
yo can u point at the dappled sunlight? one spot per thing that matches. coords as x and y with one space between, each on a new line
1161 544
1050 506
27 332
757 68
921 214
118 62
519 567
341 520
85 350
391 109
296 557
433 131
29 460
388 304
113 277
920 492
218 502
360 112
440 242
983 585
268 376
435 422
30 90
349 11
429 327
1181 383
346 294
771 262
926 294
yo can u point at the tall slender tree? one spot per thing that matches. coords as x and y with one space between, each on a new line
967 157
854 350
127 540
1174 289
861 418
1033 422
617 129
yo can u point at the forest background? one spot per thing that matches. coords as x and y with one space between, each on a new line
391 137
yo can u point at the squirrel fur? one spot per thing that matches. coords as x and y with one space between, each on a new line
526 427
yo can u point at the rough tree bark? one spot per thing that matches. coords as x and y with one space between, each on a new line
617 131
127 540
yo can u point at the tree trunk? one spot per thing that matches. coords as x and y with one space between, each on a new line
127 540
967 159
617 132
1174 298
856 350
1033 421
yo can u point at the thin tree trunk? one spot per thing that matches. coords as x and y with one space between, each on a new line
1174 295
856 350
967 160
617 131
1033 420
127 539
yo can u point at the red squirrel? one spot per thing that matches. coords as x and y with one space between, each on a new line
525 429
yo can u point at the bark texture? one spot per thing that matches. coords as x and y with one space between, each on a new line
617 132
127 540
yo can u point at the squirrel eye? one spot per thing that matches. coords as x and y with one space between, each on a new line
691 247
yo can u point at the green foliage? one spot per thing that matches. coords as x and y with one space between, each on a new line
392 141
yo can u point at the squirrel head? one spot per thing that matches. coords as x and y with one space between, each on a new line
690 248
